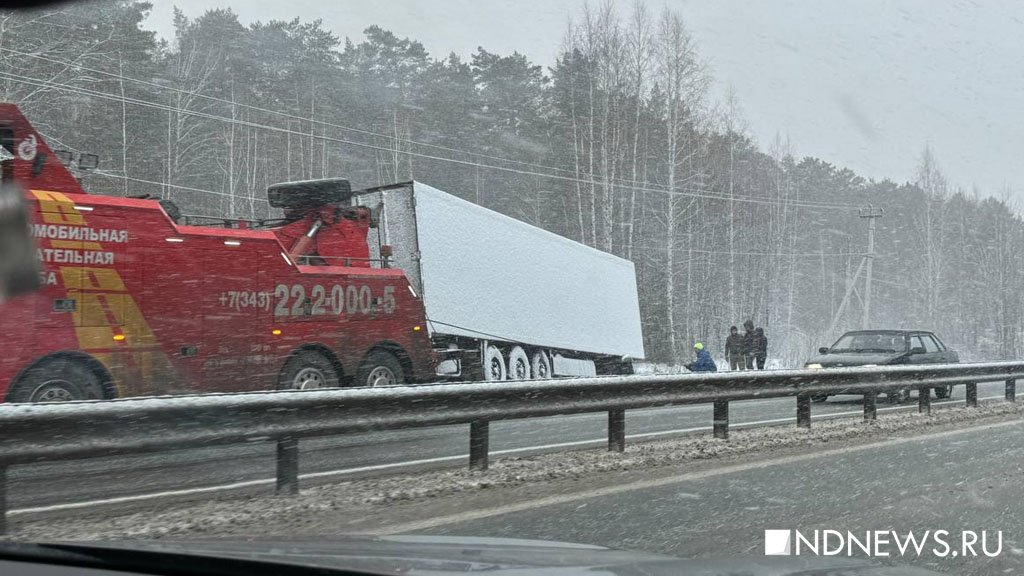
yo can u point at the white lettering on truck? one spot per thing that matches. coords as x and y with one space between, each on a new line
83 233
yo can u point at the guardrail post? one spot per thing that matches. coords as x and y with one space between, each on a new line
721 419
616 430
924 400
287 467
479 440
870 411
972 394
803 410
1011 390
3 499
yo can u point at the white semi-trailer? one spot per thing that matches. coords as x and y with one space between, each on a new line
502 297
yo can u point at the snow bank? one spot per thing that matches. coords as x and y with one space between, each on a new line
269 514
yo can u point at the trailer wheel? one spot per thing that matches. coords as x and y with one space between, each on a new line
308 370
56 380
380 368
540 365
518 364
494 364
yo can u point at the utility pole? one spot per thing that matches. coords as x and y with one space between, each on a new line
871 214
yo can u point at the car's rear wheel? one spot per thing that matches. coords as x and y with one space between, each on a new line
944 391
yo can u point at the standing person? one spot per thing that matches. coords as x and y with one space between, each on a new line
749 346
734 349
760 347
703 363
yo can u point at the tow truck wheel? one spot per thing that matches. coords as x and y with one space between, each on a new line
518 364
56 380
944 391
308 370
540 365
494 364
380 369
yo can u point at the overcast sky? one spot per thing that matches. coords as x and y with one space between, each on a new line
860 83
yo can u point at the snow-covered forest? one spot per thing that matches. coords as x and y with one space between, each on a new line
621 145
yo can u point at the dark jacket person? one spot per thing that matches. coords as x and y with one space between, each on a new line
760 348
749 345
734 349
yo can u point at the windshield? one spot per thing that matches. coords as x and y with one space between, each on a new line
552 270
880 342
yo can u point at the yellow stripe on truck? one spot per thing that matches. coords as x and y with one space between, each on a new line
57 208
106 316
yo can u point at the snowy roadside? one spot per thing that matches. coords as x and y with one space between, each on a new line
232 517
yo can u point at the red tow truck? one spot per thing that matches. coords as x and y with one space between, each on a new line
134 303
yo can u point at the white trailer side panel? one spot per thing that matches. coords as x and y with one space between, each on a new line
485 275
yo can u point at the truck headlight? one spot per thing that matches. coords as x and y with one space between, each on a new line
814 366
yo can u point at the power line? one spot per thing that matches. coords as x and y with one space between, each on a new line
177 186
85 91
662 247
300 118
168 108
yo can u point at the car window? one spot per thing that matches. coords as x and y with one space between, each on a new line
877 342
929 343
916 342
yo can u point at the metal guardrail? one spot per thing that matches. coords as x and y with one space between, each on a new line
45 432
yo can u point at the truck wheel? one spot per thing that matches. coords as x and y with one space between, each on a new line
308 370
380 369
57 380
518 364
540 365
944 391
494 364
